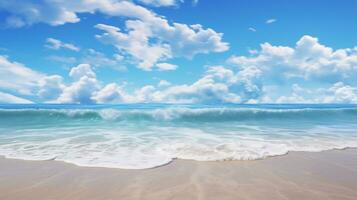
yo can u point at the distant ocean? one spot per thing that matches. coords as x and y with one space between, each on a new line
138 136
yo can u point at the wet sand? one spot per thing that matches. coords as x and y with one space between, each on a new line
298 175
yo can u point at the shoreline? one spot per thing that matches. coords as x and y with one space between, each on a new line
177 159
330 174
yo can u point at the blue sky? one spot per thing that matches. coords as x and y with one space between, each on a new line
118 51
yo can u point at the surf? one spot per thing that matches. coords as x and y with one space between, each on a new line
144 136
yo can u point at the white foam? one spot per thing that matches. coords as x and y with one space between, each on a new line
140 147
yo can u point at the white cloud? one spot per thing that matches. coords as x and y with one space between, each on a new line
18 78
111 93
9 98
179 40
307 60
219 84
82 70
270 21
336 93
166 66
341 93
50 87
52 43
82 89
296 96
135 43
176 40
163 83
86 89
59 12
148 37
252 29
144 94
308 72
159 3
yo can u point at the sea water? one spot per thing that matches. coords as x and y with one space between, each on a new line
139 136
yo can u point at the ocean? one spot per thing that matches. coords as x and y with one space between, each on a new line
141 136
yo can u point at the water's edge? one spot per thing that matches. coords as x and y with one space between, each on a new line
176 159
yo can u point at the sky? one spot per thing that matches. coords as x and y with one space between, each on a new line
178 51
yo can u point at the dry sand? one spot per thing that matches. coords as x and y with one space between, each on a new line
299 175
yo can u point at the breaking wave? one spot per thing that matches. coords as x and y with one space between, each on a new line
181 114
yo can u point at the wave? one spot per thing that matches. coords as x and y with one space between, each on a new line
96 137
181 114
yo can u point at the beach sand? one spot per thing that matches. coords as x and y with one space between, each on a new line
298 175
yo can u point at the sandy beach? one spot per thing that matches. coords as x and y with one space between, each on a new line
298 175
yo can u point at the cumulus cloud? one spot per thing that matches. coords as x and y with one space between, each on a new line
80 91
135 44
308 60
86 89
341 93
218 85
58 44
82 70
111 93
176 40
298 95
82 88
50 87
338 92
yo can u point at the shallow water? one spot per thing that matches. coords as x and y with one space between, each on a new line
137 136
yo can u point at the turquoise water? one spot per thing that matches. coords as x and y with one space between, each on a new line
138 136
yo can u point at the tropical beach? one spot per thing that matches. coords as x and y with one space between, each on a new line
178 99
